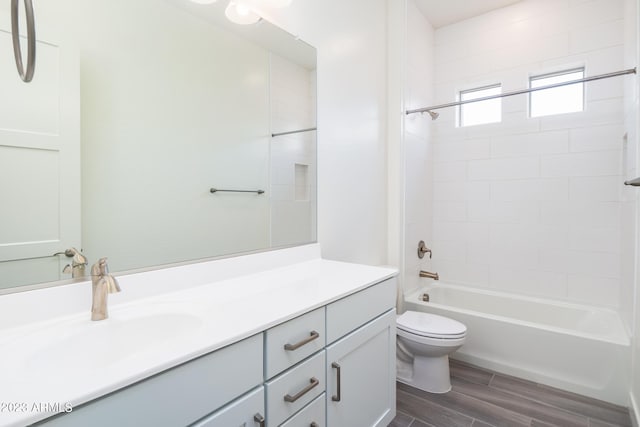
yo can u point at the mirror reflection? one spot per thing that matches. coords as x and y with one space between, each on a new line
137 110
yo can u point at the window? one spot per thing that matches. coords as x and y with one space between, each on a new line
481 112
559 100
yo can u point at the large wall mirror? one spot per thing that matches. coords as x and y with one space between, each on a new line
137 109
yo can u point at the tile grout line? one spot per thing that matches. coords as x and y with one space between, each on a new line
532 399
439 405
533 385
483 403
493 375
560 402
514 393
528 399
545 404
412 418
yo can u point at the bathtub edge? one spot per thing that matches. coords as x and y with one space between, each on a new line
622 338
609 386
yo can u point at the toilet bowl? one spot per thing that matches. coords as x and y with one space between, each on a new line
424 343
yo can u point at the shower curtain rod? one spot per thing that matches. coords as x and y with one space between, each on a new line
518 92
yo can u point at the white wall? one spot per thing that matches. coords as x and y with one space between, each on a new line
351 39
631 197
418 143
396 72
532 205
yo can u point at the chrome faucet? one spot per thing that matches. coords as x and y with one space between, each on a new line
103 284
78 263
429 275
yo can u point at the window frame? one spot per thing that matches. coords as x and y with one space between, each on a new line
477 89
532 78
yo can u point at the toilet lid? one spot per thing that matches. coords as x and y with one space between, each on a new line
430 325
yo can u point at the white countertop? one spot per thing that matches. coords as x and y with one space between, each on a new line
70 359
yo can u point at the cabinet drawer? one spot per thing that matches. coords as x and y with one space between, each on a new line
293 341
312 415
179 396
347 314
245 411
295 388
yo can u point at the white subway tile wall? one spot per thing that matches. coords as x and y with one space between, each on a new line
293 168
418 148
532 205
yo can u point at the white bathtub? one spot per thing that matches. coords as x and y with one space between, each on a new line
574 347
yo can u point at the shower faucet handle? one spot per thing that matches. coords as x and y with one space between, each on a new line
423 249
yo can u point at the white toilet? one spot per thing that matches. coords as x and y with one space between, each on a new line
424 343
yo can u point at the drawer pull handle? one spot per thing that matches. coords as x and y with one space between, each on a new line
313 382
259 419
337 397
314 424
312 336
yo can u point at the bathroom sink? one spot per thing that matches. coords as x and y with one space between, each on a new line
80 346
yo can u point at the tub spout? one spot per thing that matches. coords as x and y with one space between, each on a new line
429 275
103 284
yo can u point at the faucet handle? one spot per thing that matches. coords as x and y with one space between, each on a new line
100 275
423 249
78 257
99 269
112 284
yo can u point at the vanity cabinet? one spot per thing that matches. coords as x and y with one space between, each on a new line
294 341
247 411
292 390
361 375
313 415
332 366
293 382
361 364
179 396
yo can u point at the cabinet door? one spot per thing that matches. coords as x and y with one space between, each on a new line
361 375
247 411
179 396
39 147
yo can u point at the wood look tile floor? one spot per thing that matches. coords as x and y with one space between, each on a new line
482 398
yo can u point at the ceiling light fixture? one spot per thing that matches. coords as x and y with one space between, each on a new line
276 3
239 12
246 12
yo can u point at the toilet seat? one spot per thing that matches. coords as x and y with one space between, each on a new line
430 325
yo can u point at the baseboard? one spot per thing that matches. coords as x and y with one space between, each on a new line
634 410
